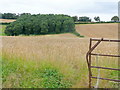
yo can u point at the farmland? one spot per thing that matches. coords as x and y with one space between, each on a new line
7 20
98 30
64 52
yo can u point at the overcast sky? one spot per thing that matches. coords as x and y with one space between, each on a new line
91 8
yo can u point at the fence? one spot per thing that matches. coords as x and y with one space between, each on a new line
89 55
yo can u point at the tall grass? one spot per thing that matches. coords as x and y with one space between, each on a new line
23 74
58 61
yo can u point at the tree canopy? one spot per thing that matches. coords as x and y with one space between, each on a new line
75 18
84 19
97 18
40 24
12 15
9 16
115 18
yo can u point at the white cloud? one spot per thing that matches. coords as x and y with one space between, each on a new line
71 7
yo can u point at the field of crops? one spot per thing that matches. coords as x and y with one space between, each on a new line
98 30
7 20
60 58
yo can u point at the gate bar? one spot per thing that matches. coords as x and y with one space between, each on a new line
106 40
105 55
106 79
89 52
105 68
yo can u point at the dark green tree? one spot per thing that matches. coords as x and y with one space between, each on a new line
115 18
97 18
9 16
84 19
28 24
75 18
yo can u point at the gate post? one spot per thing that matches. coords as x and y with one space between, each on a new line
90 74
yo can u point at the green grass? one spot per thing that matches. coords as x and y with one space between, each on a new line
18 73
2 28
114 75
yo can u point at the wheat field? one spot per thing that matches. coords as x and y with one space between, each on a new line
67 49
99 30
6 20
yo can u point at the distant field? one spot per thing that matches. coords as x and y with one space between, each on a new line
90 30
98 30
6 20
65 51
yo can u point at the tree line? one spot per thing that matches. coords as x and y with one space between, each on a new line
28 24
96 18
12 15
75 18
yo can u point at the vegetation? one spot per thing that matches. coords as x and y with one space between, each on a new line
77 34
18 73
97 18
32 53
75 18
4 23
64 55
2 28
81 19
51 62
115 19
101 22
40 24
8 16
84 19
11 15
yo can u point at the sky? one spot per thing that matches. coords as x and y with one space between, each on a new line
105 9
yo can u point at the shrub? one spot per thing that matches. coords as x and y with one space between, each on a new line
40 24
77 34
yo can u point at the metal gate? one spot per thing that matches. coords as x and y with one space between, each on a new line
89 55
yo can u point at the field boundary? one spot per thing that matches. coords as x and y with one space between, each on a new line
95 22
